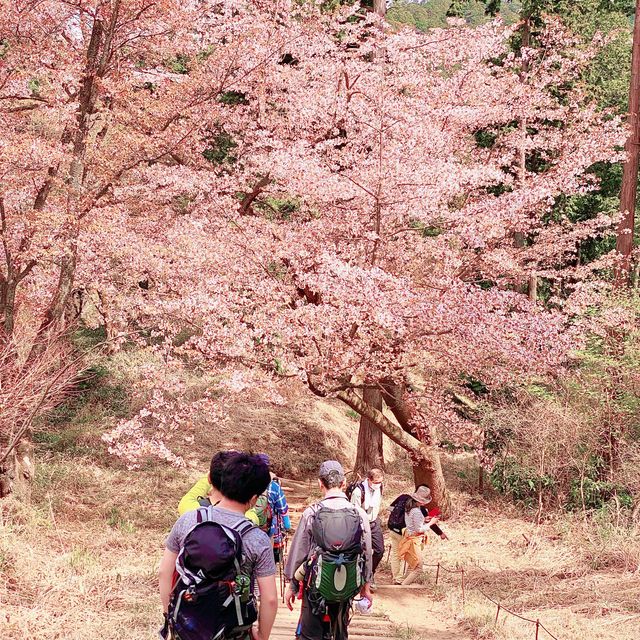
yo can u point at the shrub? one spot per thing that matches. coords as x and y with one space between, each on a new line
520 483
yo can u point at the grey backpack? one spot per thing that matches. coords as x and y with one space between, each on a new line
338 563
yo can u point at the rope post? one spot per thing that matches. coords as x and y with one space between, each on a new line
497 615
462 574
437 573
537 628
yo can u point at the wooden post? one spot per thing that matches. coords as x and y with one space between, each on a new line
462 574
437 573
537 628
497 616
380 7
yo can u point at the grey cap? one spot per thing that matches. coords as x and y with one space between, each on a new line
331 469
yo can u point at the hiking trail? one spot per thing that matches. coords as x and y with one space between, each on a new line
399 612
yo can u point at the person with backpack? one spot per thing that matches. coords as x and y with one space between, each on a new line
404 508
213 557
367 494
207 490
330 560
272 511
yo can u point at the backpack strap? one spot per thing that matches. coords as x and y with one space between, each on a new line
234 597
245 527
360 486
203 514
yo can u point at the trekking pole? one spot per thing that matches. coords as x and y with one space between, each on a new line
281 580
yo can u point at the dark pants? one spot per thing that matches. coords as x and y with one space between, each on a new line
315 627
377 543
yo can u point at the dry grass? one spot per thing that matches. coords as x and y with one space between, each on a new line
547 572
72 577
79 548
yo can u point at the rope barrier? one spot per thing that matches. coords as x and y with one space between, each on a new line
500 607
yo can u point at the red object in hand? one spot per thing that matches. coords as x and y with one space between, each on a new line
434 513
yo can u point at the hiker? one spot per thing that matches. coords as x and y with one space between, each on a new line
368 496
410 548
330 560
218 555
206 491
274 515
396 525
271 512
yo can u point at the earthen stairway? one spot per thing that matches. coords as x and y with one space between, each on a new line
362 627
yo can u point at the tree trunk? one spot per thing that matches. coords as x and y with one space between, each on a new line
370 453
425 455
17 469
380 7
426 460
9 306
7 476
55 312
430 473
425 470
629 191
533 287
98 51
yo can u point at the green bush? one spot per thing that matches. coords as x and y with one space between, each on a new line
520 483
179 64
220 148
596 494
233 98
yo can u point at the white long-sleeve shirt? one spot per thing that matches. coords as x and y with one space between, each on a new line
372 500
414 521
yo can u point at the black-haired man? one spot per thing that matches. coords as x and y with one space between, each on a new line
244 478
207 489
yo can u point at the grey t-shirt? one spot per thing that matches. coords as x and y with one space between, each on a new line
257 552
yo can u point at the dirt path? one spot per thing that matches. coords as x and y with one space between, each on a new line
399 612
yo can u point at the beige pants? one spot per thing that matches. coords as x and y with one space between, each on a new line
412 576
397 565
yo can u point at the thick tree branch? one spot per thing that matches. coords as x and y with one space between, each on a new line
247 201
397 434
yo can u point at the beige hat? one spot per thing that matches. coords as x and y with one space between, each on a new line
422 495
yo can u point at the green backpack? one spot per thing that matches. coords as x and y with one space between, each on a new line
264 512
338 564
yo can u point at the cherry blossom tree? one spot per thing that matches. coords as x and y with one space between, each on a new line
98 100
303 193
373 238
